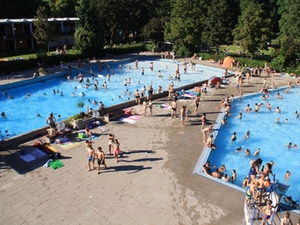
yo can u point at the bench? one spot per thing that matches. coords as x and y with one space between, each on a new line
114 115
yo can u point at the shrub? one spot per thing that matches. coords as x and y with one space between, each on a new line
278 63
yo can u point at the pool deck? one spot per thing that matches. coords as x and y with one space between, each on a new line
153 183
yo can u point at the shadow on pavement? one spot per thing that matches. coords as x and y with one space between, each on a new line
137 151
141 160
129 168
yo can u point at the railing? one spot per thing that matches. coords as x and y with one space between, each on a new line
252 213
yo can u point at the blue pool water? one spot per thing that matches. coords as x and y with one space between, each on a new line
270 137
21 111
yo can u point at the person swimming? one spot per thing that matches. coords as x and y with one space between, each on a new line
247 134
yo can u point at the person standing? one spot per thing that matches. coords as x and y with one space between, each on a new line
90 157
286 220
100 158
111 139
117 150
51 120
145 108
197 102
174 109
137 97
150 92
182 115
150 105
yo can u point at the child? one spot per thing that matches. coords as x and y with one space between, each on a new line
233 176
90 157
267 210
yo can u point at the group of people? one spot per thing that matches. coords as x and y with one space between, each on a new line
99 155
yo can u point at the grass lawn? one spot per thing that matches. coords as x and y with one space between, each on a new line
29 54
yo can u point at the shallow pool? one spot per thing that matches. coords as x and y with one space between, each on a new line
272 138
21 111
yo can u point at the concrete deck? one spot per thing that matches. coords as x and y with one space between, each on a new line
153 182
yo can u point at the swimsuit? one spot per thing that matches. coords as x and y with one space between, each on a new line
117 151
101 162
90 158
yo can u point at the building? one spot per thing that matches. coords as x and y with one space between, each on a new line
17 34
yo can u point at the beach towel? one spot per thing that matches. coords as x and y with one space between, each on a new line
69 145
31 154
127 120
56 164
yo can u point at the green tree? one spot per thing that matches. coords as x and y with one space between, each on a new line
62 8
221 18
44 30
124 19
88 35
154 30
253 28
186 24
289 23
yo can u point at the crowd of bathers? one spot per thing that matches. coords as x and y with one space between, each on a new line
258 179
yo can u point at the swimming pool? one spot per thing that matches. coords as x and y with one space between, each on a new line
21 111
272 138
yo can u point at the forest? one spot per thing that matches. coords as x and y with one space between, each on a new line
251 24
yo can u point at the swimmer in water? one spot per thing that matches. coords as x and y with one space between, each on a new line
53 91
3 114
238 149
247 152
233 137
256 153
277 120
38 115
28 95
73 94
247 134
44 93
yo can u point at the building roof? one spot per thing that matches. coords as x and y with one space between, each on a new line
30 20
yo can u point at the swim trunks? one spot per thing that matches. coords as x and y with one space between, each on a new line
266 217
90 158
101 162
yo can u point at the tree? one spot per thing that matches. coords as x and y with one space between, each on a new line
186 24
154 30
124 23
88 35
289 23
62 8
221 18
44 30
253 28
